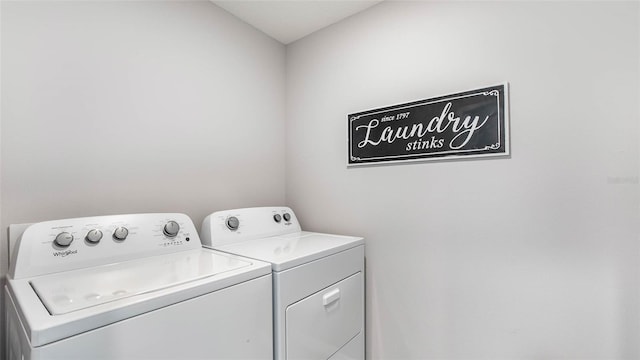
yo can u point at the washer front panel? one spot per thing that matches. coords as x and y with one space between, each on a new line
41 327
233 322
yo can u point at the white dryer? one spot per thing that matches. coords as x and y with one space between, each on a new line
133 287
318 280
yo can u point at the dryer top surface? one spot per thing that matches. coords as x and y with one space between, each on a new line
287 251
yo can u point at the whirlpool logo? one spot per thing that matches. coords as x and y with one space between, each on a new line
65 253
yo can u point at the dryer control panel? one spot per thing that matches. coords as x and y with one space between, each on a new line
69 244
232 226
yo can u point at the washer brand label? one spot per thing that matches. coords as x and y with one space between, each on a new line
65 253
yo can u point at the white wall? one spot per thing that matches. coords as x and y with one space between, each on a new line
136 106
531 257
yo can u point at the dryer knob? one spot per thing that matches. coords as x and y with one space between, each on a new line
286 217
277 218
171 229
63 239
233 223
94 236
120 233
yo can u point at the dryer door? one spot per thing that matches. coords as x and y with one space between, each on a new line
320 324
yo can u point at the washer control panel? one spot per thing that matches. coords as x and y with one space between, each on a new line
230 226
62 245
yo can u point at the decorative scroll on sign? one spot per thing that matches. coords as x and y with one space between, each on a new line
468 124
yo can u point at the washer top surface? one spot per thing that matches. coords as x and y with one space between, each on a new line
290 250
69 291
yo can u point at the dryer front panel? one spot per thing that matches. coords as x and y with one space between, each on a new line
319 325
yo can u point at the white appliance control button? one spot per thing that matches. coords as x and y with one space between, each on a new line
277 218
171 228
94 236
286 216
63 239
233 223
120 233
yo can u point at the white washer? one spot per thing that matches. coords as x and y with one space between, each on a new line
318 280
133 287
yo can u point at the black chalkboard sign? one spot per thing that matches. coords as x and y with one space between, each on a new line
468 124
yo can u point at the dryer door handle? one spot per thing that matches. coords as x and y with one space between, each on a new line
331 297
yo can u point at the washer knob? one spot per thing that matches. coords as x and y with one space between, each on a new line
233 223
94 236
286 217
277 218
171 228
63 239
120 233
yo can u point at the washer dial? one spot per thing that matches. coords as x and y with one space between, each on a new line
171 229
63 239
120 233
94 236
233 223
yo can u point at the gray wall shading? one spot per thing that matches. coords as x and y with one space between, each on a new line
136 106
531 257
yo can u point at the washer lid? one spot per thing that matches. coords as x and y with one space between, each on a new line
287 251
70 291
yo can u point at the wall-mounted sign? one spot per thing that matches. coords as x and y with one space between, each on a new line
468 124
